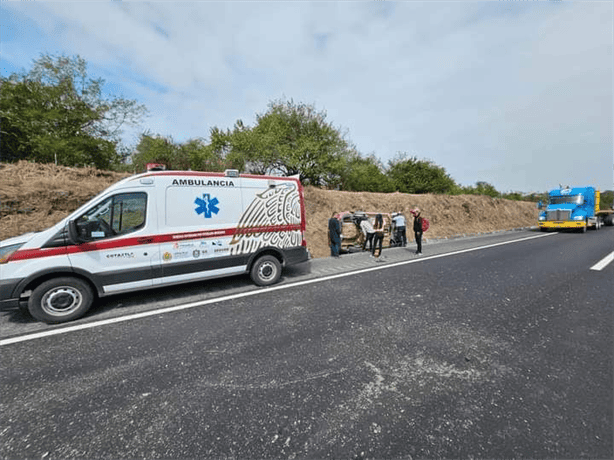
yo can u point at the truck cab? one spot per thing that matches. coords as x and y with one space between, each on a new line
572 208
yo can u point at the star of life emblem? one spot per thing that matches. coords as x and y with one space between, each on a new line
206 205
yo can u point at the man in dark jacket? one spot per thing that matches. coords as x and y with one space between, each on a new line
418 229
334 235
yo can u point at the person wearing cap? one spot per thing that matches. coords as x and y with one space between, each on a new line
401 233
418 229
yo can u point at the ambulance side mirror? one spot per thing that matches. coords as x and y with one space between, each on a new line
73 234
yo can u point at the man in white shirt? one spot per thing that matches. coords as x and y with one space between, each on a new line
399 222
367 230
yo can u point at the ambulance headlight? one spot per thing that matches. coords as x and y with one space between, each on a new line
7 251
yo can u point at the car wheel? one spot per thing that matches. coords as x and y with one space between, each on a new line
266 271
60 299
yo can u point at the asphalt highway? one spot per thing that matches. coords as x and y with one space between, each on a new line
498 346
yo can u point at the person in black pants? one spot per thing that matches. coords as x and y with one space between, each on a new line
378 228
367 230
418 229
400 233
334 235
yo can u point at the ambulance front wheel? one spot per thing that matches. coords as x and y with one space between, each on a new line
60 299
266 271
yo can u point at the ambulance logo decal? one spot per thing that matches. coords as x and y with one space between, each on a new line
207 205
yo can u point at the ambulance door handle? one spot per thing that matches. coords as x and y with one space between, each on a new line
145 240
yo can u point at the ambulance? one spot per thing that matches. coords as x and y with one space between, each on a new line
155 229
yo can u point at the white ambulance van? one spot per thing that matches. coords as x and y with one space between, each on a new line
156 229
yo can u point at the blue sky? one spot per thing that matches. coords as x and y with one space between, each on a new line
517 94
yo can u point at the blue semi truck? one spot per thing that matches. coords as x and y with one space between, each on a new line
574 208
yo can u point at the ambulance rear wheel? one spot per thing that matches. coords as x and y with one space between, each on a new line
60 299
266 271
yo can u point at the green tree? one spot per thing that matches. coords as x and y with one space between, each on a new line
481 188
56 113
365 174
484 188
289 139
233 149
607 199
203 157
157 149
517 196
411 175
193 154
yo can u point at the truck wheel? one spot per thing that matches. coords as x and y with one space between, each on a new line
266 271
60 299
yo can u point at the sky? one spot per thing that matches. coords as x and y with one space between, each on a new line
516 94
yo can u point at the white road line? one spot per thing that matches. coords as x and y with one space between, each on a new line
603 262
80 327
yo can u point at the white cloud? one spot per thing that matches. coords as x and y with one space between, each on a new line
484 89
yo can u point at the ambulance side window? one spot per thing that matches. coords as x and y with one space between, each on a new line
117 215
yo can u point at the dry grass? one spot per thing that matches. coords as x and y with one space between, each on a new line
36 196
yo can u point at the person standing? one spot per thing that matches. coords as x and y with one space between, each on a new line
334 235
418 229
401 232
378 230
367 230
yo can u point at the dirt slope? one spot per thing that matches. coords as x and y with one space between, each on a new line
35 196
